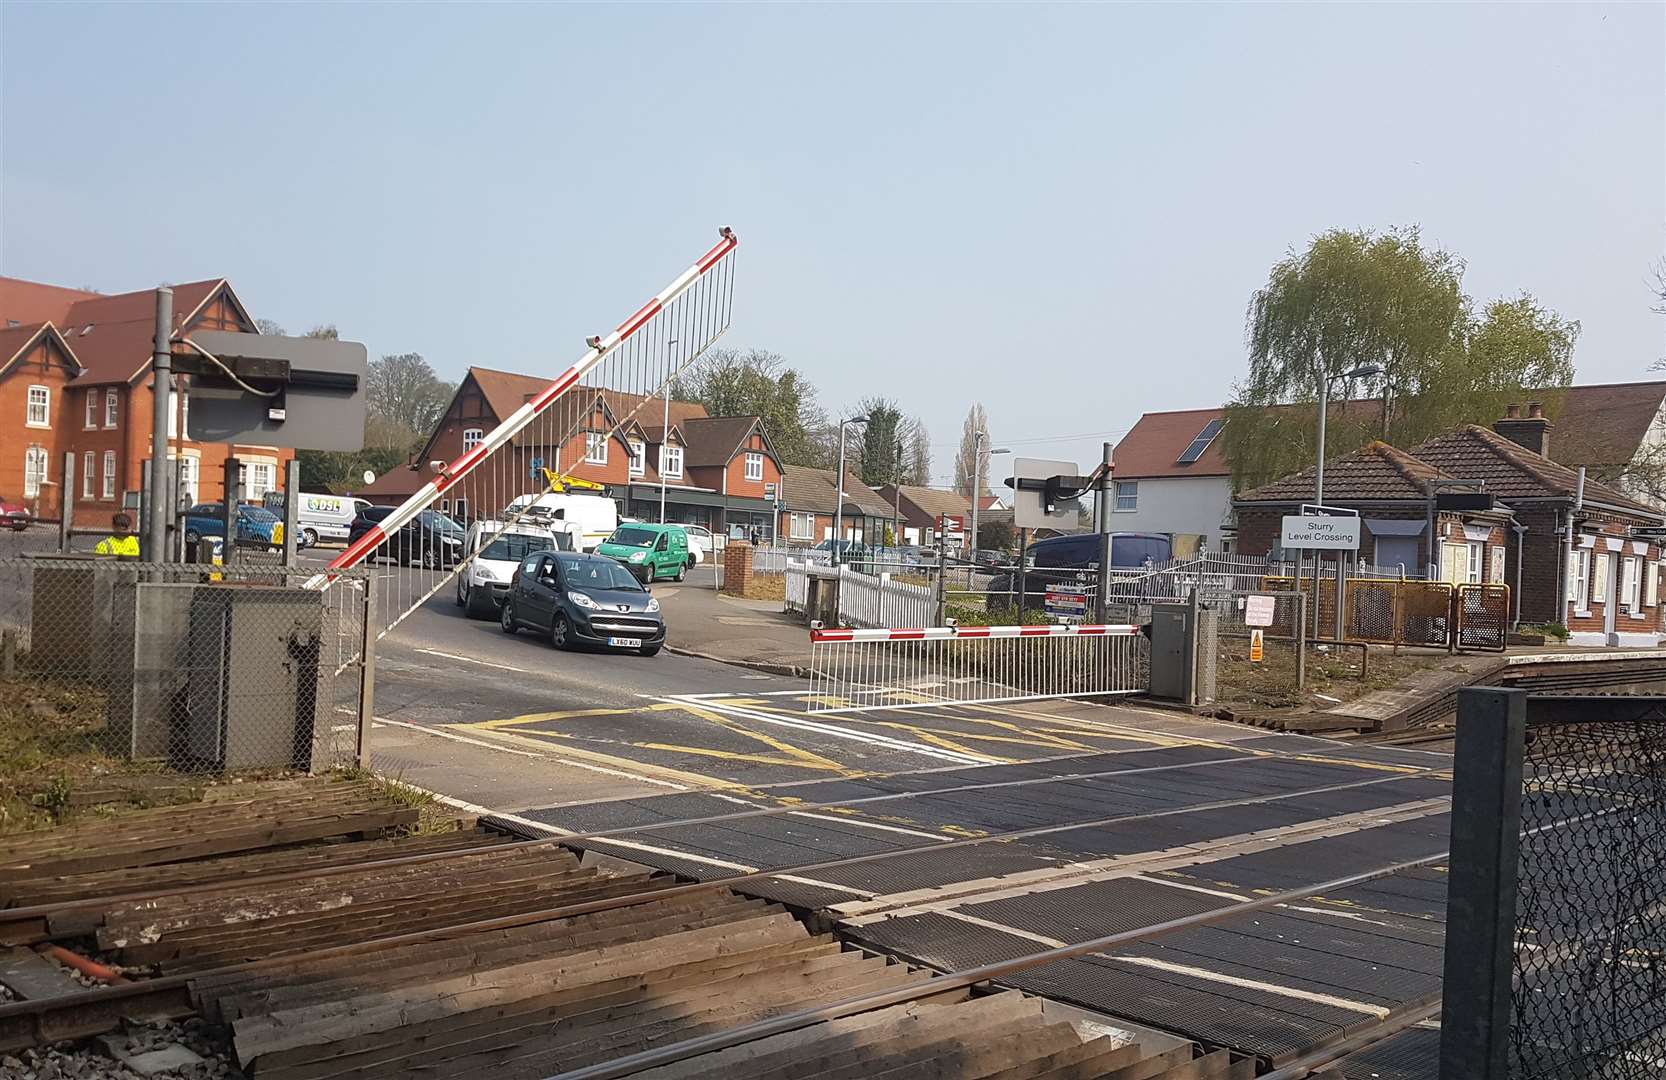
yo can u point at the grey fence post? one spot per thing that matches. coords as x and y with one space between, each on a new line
291 508
233 487
66 511
1481 884
367 677
1301 640
942 582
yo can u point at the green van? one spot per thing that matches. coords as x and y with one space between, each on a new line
650 551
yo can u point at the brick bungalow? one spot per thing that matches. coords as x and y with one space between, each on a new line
75 379
809 501
921 508
1606 591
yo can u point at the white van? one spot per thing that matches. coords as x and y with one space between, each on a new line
319 517
596 516
484 582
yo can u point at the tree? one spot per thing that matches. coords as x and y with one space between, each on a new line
404 396
1356 298
917 463
267 326
997 534
971 469
878 455
759 383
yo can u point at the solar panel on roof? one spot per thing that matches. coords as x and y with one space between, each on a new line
1201 443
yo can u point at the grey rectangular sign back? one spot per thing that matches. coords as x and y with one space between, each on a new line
318 413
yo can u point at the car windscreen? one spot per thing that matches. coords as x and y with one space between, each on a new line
438 522
597 574
513 547
257 513
1131 550
633 537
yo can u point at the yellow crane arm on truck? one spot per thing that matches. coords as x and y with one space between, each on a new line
563 482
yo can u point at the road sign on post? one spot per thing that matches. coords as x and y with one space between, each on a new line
951 528
1317 532
1038 501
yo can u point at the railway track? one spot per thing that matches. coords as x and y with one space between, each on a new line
327 945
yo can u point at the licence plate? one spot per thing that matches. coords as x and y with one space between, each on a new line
625 642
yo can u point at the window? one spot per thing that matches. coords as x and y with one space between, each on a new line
1599 579
1472 573
595 447
754 466
187 475
801 526
1651 591
1127 495
111 404
184 415
34 471
109 474
1201 443
472 437
40 406
255 478
179 414
1579 578
87 475
1631 582
671 461
92 409
639 458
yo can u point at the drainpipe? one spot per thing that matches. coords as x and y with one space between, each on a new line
1521 541
1567 549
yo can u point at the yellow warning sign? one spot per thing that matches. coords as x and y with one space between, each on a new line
1255 645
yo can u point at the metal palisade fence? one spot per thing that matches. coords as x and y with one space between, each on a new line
115 668
1556 907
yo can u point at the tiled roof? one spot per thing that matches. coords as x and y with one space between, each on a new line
933 501
812 491
111 335
1377 471
714 440
1514 472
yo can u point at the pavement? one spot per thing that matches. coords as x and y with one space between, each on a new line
752 633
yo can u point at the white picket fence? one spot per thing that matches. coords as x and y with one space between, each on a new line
797 576
865 600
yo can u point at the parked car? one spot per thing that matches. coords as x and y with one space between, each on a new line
596 515
651 551
1072 557
849 550
255 524
14 515
482 587
430 538
699 543
581 599
319 516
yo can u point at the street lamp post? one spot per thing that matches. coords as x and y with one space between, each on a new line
977 483
1361 372
839 488
665 434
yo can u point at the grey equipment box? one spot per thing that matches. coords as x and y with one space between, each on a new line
1172 645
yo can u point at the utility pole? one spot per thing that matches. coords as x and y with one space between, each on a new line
161 362
665 440
896 504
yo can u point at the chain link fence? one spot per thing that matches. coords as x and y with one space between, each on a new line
1556 939
112 670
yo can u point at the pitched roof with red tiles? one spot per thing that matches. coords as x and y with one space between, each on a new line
715 440
30 303
15 340
112 336
810 490
1376 471
1513 472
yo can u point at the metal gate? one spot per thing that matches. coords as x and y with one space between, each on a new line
1483 617
622 381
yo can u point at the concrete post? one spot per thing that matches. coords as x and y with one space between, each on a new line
66 515
291 508
233 493
367 677
155 529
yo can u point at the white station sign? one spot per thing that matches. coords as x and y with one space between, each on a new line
1319 532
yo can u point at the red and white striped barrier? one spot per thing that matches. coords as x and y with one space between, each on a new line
862 670
955 633
521 417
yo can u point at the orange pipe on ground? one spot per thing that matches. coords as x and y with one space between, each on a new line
92 969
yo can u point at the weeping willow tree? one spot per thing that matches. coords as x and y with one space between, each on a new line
1359 299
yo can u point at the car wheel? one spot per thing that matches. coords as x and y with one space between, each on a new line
191 538
309 537
682 572
652 650
559 632
431 558
506 618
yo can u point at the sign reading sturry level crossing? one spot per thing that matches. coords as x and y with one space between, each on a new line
1316 531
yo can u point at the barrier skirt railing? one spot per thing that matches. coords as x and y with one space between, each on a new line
584 415
855 670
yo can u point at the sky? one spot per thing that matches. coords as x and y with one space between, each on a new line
1060 211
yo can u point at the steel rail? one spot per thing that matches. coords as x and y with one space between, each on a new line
1309 1063
962 980
20 914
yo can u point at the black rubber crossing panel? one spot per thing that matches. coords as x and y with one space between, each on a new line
1308 744
780 842
630 813
1416 944
1095 909
926 869
1413 1054
1388 793
1297 865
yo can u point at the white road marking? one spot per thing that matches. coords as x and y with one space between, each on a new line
883 741
440 733
473 660
835 819
1223 894
676 853
820 884
1205 974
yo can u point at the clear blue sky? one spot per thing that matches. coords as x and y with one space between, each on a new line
1060 211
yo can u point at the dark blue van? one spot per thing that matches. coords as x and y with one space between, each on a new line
1075 555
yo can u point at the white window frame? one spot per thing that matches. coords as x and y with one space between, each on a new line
1477 558
671 462
109 474
38 409
37 470
1600 569
88 460
188 474
473 437
91 419
112 407
1579 581
754 466
1651 591
1631 583
639 458
1126 497
251 490
595 448
801 526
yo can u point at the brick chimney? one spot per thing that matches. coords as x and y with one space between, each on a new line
1531 431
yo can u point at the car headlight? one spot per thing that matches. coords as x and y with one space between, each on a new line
638 556
483 573
582 600
653 604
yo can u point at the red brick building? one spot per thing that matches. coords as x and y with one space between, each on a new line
1605 589
75 379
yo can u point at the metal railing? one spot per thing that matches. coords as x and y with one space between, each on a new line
864 670
1556 902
